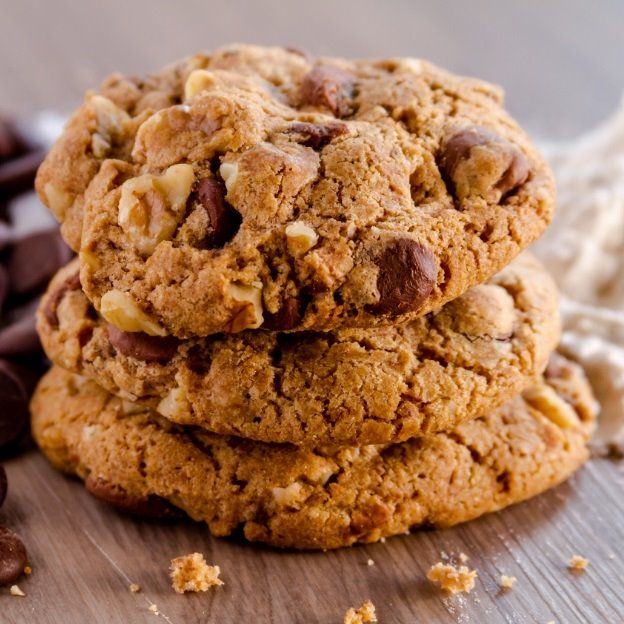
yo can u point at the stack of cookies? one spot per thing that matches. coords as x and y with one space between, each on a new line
299 307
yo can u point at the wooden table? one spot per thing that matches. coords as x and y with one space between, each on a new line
561 62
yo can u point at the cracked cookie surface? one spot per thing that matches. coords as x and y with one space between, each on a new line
292 497
258 187
358 386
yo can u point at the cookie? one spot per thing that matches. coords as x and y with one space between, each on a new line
292 497
358 386
258 187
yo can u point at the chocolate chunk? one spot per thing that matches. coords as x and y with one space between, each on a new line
198 360
224 220
407 274
35 259
3 485
142 346
513 166
16 385
13 556
328 86
18 175
316 135
11 144
287 317
140 506
53 300
4 285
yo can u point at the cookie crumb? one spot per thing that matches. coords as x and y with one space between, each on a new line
578 563
27 570
16 591
507 582
153 608
463 557
192 573
365 614
370 562
383 540
452 579
134 588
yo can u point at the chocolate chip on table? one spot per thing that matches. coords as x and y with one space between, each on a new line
11 143
143 346
316 135
13 557
287 317
18 174
407 274
18 333
224 220
34 260
3 485
16 385
53 300
4 285
328 86
143 507
458 149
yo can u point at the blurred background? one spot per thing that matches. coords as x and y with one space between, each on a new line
560 61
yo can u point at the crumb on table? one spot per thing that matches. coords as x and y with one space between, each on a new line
370 562
27 570
463 557
507 582
578 563
153 608
134 588
16 591
192 573
365 614
452 579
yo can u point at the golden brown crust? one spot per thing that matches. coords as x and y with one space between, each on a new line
365 154
291 497
349 387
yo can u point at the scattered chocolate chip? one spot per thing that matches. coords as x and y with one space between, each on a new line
53 300
328 86
13 556
18 174
613 449
142 346
458 149
34 259
18 334
142 507
287 317
316 135
11 144
224 220
3 485
4 285
407 274
16 385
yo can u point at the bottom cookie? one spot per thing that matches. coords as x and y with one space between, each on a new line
290 497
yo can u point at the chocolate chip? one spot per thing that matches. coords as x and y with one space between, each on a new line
316 135
458 148
18 175
13 556
140 506
35 259
4 285
287 317
16 385
224 220
142 346
328 86
54 299
3 485
198 360
11 143
407 275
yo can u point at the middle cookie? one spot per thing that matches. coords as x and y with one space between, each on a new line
372 386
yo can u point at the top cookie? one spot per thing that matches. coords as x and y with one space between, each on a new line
258 187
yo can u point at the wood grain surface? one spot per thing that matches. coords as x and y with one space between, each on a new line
561 64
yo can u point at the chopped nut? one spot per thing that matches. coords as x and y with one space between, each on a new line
578 563
365 614
57 200
198 80
507 582
544 399
300 237
111 120
129 407
134 588
192 573
289 496
120 309
87 258
249 314
151 207
100 145
229 173
174 405
452 579
16 591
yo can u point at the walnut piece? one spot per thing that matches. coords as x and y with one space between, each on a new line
544 399
57 200
300 238
249 313
175 405
198 80
122 311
